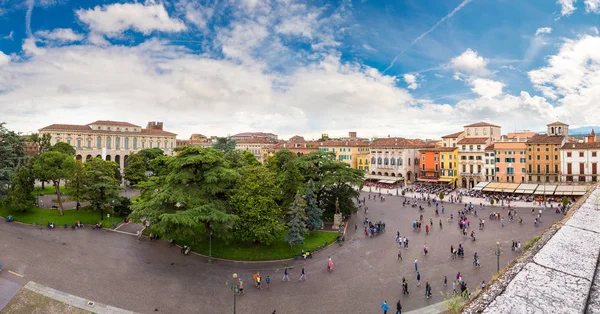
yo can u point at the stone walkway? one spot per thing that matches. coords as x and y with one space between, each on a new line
75 301
563 276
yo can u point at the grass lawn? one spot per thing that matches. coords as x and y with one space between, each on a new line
27 301
47 190
86 216
251 252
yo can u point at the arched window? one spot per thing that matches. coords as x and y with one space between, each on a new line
118 142
372 160
108 142
379 161
89 142
127 143
392 161
99 142
416 161
386 161
400 161
135 143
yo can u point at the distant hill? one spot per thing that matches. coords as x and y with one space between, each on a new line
584 130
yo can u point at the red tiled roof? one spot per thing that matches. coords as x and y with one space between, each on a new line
482 124
592 145
473 140
438 149
334 143
297 138
490 148
65 127
557 123
253 134
115 123
545 139
257 140
155 131
398 142
453 135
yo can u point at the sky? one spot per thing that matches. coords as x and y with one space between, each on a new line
408 68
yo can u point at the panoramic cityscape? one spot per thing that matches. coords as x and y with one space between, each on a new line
250 156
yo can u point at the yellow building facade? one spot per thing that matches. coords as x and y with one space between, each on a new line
347 151
449 165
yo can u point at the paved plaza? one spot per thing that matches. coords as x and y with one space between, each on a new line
114 269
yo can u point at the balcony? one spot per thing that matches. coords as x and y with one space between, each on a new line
467 174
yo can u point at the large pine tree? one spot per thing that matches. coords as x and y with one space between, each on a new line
297 222
313 211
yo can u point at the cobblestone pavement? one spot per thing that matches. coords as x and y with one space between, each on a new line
114 269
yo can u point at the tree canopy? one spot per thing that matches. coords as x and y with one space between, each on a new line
224 144
12 155
19 196
54 166
63 148
101 188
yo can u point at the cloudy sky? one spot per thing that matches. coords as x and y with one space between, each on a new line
412 68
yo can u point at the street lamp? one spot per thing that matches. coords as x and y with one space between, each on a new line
210 247
236 289
498 256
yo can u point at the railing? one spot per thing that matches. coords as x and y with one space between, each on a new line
467 174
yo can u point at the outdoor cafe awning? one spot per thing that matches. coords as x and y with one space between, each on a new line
568 190
526 188
492 187
389 181
508 187
480 186
545 189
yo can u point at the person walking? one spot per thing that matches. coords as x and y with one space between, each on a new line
303 275
285 275
418 279
399 254
268 281
445 281
416 265
427 290
385 307
398 307
405 287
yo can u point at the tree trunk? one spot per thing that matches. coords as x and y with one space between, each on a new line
43 184
57 187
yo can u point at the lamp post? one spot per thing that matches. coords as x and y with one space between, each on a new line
498 256
236 289
210 248
41 211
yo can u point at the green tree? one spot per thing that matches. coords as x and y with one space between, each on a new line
191 197
250 158
253 200
235 160
565 201
224 144
44 143
121 207
19 196
290 180
63 148
135 171
54 166
313 211
149 154
333 181
441 196
280 159
101 187
296 222
77 184
12 155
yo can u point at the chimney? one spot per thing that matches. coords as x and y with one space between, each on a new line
352 134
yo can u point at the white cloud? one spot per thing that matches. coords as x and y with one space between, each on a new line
9 36
195 13
368 47
114 19
30 47
487 88
469 63
59 34
543 30
567 7
411 80
592 6
4 59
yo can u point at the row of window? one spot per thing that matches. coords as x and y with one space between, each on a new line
547 149
388 161
117 144
547 168
463 157
477 131
581 154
